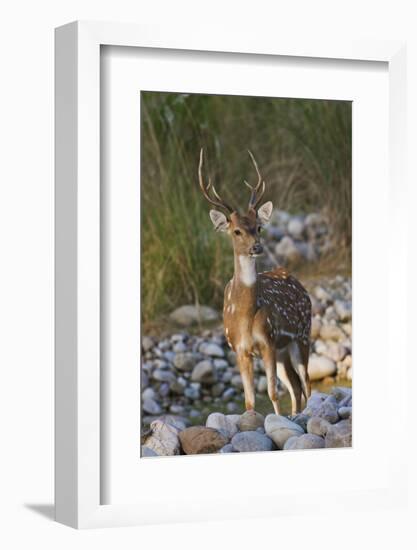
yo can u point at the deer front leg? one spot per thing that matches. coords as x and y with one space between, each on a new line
269 356
245 364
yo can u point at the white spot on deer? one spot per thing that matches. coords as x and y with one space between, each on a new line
247 270
232 308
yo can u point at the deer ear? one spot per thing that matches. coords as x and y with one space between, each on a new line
265 211
219 220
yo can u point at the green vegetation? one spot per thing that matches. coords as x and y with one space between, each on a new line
303 148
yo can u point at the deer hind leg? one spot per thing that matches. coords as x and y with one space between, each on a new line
245 364
299 354
290 379
268 357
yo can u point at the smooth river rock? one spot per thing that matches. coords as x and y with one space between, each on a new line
318 426
226 424
201 440
204 372
251 442
163 439
250 421
339 435
322 405
305 441
279 429
319 367
191 314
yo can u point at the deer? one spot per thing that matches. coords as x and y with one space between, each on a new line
267 314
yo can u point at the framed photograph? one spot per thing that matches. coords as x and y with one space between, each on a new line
224 328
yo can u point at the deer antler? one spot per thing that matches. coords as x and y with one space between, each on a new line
257 191
205 189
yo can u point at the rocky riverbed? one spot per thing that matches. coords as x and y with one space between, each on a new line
326 422
191 373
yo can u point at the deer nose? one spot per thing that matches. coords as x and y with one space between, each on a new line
257 248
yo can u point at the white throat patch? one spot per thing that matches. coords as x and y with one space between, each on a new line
247 270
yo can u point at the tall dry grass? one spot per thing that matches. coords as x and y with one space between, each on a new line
303 148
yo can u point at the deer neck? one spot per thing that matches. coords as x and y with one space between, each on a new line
245 284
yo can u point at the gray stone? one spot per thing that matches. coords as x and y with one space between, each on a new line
306 441
232 407
191 314
150 406
236 381
279 429
163 439
211 349
319 367
204 372
301 419
164 389
220 364
296 227
331 331
192 392
324 408
226 424
178 422
335 351
227 449
343 310
228 394
148 393
251 442
178 386
287 250
318 426
163 375
340 393
147 451
339 435
316 325
217 389
250 420
147 343
179 347
184 361
345 412
321 294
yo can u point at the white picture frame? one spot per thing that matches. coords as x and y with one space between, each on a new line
78 405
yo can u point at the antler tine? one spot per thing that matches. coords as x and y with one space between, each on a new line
259 190
204 189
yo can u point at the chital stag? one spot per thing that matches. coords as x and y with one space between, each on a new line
266 314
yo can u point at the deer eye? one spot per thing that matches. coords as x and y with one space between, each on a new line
237 232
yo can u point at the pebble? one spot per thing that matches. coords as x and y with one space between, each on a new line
204 372
319 367
163 375
250 421
147 343
163 439
151 406
190 314
227 449
184 361
279 429
201 440
251 441
345 412
211 349
339 435
305 441
318 426
323 407
226 424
